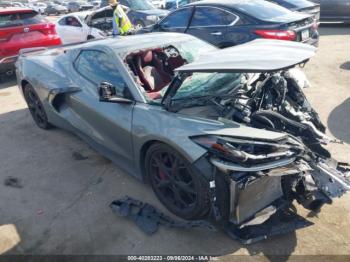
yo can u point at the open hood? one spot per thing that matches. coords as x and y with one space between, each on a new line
254 57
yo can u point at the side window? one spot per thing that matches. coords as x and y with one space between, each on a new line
72 21
97 67
62 21
208 16
178 19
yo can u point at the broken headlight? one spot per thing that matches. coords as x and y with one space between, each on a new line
249 154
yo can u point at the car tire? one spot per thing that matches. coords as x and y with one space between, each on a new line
139 24
90 37
36 107
180 189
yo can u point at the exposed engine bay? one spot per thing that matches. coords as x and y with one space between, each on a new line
265 177
273 101
297 167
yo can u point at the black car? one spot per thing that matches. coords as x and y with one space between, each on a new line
334 10
300 6
231 22
140 12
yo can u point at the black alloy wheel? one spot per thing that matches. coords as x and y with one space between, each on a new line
177 186
35 107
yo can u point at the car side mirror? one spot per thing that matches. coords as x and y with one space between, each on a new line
107 93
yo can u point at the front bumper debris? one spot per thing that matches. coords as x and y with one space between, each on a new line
282 222
148 218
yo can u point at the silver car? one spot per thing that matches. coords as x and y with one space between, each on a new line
226 135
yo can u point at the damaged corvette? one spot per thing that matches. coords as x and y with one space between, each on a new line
226 136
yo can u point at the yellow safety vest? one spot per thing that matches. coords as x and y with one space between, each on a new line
125 24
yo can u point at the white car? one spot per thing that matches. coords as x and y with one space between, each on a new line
159 3
72 28
38 6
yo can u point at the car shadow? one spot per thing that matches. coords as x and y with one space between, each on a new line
334 29
345 66
339 121
7 81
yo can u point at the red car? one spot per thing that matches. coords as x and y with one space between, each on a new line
22 28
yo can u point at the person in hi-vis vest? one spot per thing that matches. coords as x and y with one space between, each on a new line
121 22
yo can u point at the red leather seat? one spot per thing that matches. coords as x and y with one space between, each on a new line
151 71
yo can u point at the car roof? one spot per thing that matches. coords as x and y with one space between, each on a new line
11 10
234 4
83 13
127 44
295 4
227 3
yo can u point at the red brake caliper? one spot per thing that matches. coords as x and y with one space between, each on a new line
162 175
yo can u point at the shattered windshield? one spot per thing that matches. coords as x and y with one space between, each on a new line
207 84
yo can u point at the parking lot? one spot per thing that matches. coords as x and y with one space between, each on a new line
61 204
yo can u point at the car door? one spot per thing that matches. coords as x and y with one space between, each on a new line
176 21
107 125
211 24
71 30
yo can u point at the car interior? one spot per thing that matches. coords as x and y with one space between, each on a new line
154 68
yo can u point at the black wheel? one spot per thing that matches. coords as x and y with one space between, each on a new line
177 186
35 107
90 37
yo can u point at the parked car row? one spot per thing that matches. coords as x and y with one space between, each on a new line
56 7
223 23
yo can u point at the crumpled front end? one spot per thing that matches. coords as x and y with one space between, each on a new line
258 86
266 177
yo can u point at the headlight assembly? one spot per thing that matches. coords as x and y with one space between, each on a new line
247 152
152 18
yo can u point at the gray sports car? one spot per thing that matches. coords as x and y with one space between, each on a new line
225 135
